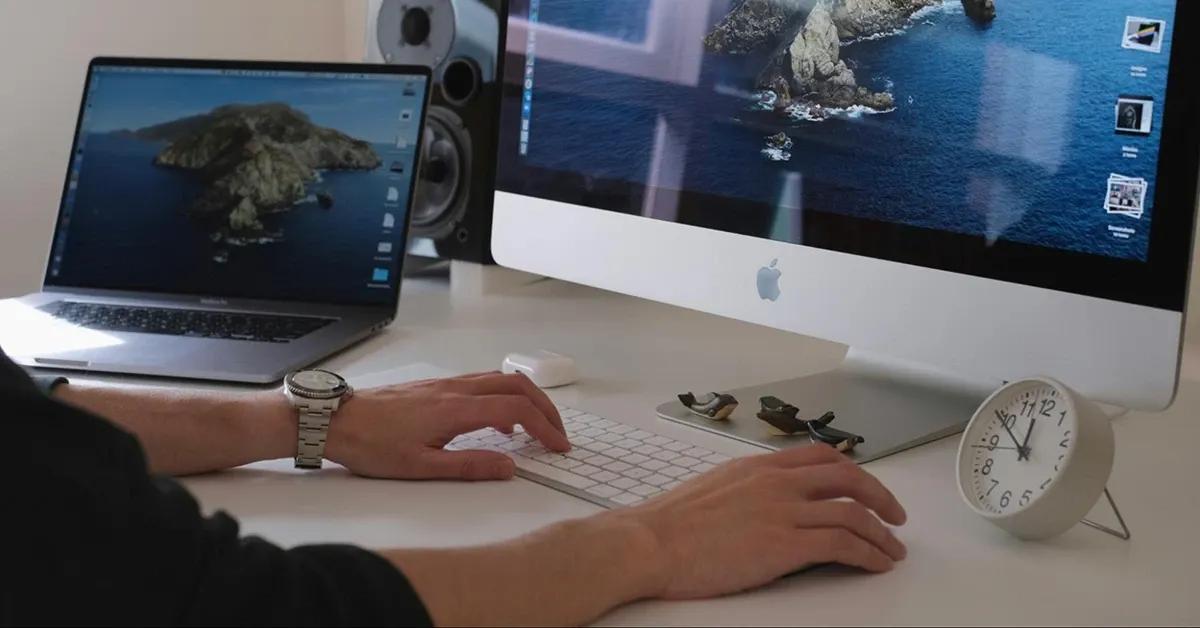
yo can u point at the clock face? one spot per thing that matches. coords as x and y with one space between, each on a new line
1016 448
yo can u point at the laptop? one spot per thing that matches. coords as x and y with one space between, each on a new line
226 220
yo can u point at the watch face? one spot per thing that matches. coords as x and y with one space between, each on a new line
317 382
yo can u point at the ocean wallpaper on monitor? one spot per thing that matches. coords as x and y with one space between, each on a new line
1023 120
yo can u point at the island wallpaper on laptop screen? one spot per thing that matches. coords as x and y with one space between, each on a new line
1027 120
285 185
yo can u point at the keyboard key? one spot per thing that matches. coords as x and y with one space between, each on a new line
689 475
627 499
656 479
604 490
548 457
624 483
552 473
671 485
645 490
664 455
639 435
604 476
567 463
697 452
581 441
717 459
617 452
653 465
592 432
598 460
604 424
622 429
647 450
579 454
685 461
635 458
617 466
673 471
586 469
636 473
676 446
704 467
628 443
658 441
609 437
530 451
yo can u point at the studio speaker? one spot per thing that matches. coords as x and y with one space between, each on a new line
460 40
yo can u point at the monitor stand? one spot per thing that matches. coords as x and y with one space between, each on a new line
893 405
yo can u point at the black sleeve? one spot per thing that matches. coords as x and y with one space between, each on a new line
90 538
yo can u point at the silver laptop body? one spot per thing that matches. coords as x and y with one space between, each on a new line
266 295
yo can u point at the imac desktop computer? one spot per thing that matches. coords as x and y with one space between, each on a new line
965 192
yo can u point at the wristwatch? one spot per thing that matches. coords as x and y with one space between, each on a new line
316 395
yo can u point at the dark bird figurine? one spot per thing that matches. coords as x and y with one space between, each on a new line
714 406
782 419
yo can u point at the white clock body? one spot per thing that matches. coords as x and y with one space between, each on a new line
1035 458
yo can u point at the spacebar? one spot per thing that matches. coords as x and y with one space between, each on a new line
552 473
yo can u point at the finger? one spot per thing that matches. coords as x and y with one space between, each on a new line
837 545
504 411
500 384
853 517
846 479
470 465
473 375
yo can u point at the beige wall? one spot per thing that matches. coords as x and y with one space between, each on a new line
44 48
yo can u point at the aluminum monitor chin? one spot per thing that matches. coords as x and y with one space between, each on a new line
965 190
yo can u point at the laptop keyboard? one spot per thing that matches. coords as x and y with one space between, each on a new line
181 322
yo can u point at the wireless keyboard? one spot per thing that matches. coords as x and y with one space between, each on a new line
610 464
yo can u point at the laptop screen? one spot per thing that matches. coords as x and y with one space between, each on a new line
265 181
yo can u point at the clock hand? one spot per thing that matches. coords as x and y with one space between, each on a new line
1028 433
1004 423
991 448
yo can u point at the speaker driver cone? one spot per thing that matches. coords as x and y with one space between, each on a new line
440 198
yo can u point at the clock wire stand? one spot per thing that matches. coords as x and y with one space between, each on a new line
1123 533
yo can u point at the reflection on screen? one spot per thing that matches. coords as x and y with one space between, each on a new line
1015 120
265 184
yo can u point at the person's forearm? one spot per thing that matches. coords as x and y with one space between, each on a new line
194 432
566 574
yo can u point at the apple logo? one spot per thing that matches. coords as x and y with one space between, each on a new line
768 281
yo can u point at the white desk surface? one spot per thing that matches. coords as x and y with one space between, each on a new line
634 355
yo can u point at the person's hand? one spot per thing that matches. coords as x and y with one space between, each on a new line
753 520
400 431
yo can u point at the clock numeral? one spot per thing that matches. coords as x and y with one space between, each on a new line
994 485
1025 497
987 467
1027 407
1066 439
1008 421
1048 406
1005 499
1061 416
993 442
1045 484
